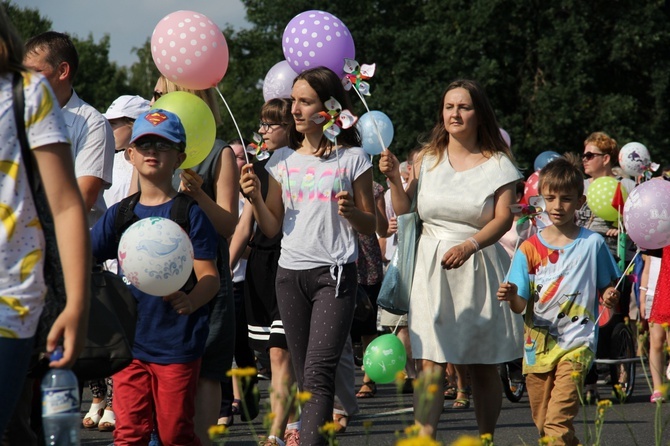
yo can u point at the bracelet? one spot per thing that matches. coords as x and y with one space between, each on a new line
644 288
474 242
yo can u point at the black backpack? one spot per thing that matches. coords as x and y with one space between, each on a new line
179 213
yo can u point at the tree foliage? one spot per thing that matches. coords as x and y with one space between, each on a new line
554 71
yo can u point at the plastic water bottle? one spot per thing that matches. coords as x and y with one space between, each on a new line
60 405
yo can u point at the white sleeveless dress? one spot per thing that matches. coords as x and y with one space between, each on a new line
454 315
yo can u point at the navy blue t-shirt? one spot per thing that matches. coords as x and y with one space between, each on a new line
162 336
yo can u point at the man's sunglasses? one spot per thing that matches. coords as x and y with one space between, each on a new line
159 146
590 155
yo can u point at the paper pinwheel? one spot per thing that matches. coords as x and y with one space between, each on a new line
356 75
335 119
258 148
534 213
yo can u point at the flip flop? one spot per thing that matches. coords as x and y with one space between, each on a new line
364 394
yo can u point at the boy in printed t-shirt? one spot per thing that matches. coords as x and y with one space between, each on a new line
556 277
160 383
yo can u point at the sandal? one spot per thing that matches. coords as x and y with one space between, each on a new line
235 408
450 393
341 419
372 390
92 417
107 422
656 397
462 403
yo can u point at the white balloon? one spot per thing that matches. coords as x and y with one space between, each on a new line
634 159
506 137
278 81
156 256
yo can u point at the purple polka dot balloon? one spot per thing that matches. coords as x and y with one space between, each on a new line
646 214
317 38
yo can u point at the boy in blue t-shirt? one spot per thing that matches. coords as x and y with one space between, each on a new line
556 277
160 383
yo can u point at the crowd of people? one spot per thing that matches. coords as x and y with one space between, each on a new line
285 247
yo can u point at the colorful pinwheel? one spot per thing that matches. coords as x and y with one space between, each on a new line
356 75
335 119
535 213
258 148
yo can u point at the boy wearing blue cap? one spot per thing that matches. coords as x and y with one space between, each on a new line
160 383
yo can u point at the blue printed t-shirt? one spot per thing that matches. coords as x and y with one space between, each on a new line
162 336
564 284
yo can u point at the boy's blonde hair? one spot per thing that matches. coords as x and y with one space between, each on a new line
560 175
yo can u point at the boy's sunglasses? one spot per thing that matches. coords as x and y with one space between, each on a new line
159 146
590 155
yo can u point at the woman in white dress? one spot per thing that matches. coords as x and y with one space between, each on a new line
467 187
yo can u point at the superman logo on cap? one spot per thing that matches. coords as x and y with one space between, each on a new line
156 118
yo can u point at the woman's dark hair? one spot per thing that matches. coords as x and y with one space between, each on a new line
11 46
326 84
488 131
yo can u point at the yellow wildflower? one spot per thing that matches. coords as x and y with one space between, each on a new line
270 416
400 377
246 372
367 424
432 389
575 375
664 390
412 430
423 440
303 397
329 428
217 431
605 404
467 440
665 325
546 441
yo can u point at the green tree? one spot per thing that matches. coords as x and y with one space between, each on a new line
28 22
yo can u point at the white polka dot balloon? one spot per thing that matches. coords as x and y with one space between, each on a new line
646 214
190 50
317 38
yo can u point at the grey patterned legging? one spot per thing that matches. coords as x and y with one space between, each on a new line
317 325
102 388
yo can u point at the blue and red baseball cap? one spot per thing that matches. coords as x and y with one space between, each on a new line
161 123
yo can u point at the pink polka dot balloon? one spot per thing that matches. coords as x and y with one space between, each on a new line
646 214
317 38
190 50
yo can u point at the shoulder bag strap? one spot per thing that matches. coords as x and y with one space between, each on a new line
19 111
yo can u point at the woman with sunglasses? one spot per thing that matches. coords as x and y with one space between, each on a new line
600 154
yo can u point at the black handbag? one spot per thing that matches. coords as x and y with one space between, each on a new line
113 310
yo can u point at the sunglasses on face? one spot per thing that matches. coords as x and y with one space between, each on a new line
157 95
590 155
159 146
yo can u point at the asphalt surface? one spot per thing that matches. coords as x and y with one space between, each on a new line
631 423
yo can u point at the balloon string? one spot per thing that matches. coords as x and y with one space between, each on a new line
339 169
374 122
246 156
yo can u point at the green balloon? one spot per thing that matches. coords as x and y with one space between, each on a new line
384 358
599 197
198 121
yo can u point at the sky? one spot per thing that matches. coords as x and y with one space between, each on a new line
128 22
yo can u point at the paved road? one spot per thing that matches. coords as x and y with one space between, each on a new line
628 424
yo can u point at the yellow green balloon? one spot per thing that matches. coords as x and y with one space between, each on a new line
599 197
198 122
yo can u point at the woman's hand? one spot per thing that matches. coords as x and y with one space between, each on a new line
458 255
345 204
250 185
389 165
393 225
190 182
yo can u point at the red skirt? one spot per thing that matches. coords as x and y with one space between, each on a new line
660 309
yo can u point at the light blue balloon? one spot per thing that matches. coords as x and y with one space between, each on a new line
366 127
544 158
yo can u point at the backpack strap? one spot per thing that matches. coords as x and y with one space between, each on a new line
126 215
179 213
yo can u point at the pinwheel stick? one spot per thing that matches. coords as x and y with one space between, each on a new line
619 282
339 169
246 156
379 133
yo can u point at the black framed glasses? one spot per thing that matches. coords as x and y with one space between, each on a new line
157 95
267 126
590 155
159 146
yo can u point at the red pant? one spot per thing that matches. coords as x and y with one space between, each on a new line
144 392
